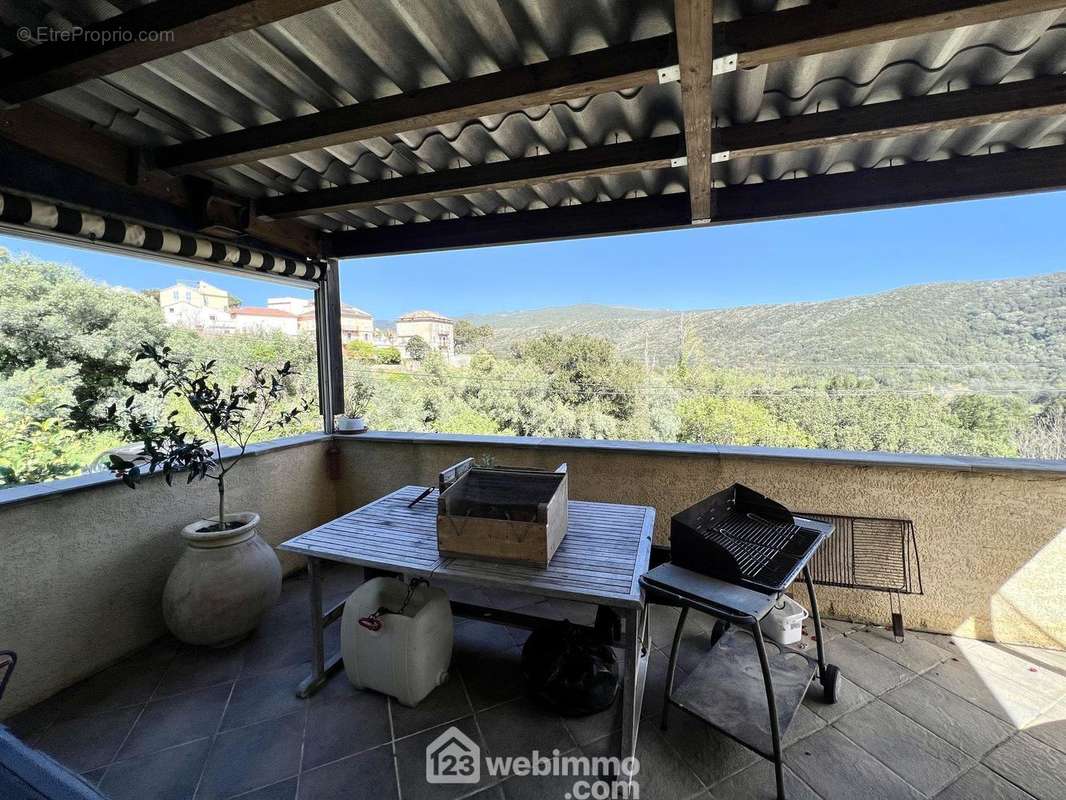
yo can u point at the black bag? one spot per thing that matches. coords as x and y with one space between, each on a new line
571 670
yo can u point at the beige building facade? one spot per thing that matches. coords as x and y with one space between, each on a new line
437 330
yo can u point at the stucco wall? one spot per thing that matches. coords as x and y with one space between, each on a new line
992 543
82 574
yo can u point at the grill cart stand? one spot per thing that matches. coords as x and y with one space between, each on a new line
724 691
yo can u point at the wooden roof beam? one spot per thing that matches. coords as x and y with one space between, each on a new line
138 36
570 77
65 141
962 178
982 105
693 24
610 159
825 26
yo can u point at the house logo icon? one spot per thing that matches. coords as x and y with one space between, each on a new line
453 757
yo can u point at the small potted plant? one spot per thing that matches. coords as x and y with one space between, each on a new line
357 397
227 577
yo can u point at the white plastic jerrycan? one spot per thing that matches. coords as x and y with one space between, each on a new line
405 650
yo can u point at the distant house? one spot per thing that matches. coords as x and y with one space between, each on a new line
436 329
200 306
265 319
356 324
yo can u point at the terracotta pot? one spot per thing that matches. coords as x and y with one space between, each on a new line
223 583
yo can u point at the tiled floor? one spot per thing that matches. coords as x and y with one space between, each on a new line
933 717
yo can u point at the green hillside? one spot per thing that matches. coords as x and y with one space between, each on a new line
1005 333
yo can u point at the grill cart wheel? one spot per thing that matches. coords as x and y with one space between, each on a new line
829 683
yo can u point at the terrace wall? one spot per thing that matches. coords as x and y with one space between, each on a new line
83 562
991 532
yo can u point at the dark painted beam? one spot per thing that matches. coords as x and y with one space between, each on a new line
610 159
135 37
825 26
967 177
567 78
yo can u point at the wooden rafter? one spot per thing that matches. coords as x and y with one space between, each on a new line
1016 172
983 105
607 159
570 77
825 26
64 141
692 21
140 35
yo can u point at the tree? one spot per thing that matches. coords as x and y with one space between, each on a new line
51 313
388 355
230 416
731 420
469 337
361 351
417 348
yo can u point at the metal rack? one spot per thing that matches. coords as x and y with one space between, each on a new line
873 554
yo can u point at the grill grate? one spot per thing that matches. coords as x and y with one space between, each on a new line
879 555
741 536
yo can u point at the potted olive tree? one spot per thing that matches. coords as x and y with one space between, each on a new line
227 577
357 397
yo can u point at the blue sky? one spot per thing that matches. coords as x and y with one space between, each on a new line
796 260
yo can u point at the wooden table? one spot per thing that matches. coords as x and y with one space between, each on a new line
606 550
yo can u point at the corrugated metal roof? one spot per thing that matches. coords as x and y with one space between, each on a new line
357 50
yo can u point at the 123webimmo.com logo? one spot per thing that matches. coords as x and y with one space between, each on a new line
455 758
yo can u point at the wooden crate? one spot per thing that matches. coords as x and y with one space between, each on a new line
502 513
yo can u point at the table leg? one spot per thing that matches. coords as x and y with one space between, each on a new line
320 669
636 667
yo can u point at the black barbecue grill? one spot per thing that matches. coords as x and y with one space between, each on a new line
732 556
738 535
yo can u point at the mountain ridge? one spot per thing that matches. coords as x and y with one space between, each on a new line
962 332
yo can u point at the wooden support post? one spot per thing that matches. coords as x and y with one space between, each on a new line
692 20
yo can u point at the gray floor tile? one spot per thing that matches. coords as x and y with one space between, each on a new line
178 719
491 677
283 790
30 723
849 697
271 650
595 726
663 774
861 665
996 695
713 756
662 622
1050 727
165 775
252 757
758 782
803 725
921 758
548 787
370 774
835 767
914 653
1034 766
259 697
197 667
828 633
958 721
93 776
411 765
981 783
342 720
445 703
655 683
85 743
475 636
115 687
519 727
1006 663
